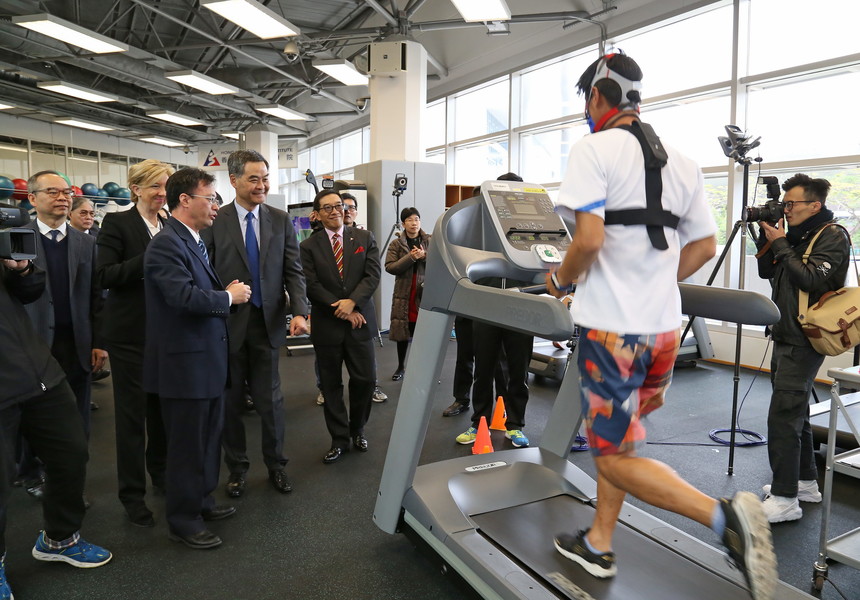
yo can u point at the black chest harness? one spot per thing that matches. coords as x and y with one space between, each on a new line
653 216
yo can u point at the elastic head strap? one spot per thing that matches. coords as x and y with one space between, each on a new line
627 85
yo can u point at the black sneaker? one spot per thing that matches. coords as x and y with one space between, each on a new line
574 548
748 542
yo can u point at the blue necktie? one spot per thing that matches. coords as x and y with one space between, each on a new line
54 233
202 247
253 260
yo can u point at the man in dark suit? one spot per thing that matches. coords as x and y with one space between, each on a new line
185 356
253 242
342 271
65 315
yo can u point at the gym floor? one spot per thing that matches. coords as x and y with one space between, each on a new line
319 541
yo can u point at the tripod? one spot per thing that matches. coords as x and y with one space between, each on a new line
396 227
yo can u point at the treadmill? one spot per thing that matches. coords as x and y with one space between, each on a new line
492 517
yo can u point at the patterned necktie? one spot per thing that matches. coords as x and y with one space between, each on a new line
337 248
202 247
253 260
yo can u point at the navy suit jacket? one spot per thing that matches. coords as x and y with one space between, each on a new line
185 354
361 271
280 269
85 296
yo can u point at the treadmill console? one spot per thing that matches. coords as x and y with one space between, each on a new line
533 235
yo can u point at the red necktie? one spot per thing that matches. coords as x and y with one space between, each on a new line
337 248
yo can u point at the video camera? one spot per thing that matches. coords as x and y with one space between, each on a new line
400 182
771 211
16 242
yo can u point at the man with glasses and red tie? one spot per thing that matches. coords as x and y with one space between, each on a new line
65 315
342 270
794 362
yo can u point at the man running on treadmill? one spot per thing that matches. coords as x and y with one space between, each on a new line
632 237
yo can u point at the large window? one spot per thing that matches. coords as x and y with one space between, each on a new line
481 111
434 125
477 163
543 154
550 92
692 125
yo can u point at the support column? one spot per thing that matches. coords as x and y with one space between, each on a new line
265 141
398 99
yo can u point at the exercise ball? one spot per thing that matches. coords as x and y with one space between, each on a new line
66 177
25 204
90 189
7 188
101 193
123 196
20 189
78 191
111 187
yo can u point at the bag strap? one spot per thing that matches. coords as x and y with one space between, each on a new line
803 297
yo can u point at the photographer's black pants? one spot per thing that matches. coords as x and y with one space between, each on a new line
790 450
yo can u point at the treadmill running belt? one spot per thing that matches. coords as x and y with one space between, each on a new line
647 570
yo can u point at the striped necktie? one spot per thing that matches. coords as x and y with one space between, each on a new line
337 248
202 247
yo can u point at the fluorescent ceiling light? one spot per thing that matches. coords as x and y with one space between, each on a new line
233 135
162 141
342 70
5 106
253 16
282 112
76 91
83 124
482 10
201 82
12 148
64 31
174 118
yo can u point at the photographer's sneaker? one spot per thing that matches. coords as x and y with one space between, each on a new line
379 395
81 554
5 590
749 545
781 508
574 548
807 491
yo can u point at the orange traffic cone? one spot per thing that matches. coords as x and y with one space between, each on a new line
483 443
499 415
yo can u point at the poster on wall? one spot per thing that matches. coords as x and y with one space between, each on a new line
213 157
288 157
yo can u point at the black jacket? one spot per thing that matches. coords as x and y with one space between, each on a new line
27 368
824 271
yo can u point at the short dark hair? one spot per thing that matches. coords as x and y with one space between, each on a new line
409 212
509 177
814 190
322 194
236 161
619 63
185 181
32 182
348 196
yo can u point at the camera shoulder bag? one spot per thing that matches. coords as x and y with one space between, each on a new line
832 325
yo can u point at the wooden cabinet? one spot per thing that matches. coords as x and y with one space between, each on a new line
455 193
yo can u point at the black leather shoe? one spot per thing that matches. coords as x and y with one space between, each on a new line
455 409
199 541
140 516
235 485
101 374
279 480
360 443
333 455
37 490
398 375
93 406
216 513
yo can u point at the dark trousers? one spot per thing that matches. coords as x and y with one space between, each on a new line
193 459
465 365
141 444
256 362
50 424
358 356
489 339
789 434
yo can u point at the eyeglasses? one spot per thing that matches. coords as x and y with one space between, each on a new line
55 193
212 199
790 204
349 207
87 213
330 207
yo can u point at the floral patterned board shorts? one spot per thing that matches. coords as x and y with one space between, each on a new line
622 377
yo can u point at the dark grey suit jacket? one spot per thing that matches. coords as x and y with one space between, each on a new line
85 295
280 269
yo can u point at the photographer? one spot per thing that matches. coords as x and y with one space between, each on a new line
794 362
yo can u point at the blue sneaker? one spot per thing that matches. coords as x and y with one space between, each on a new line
82 554
5 590
517 437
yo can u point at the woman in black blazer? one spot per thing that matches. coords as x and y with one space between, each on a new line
124 236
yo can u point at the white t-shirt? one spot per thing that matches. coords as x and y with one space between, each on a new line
632 287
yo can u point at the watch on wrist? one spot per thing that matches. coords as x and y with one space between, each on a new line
561 288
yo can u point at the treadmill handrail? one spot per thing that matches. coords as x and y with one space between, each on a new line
744 307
